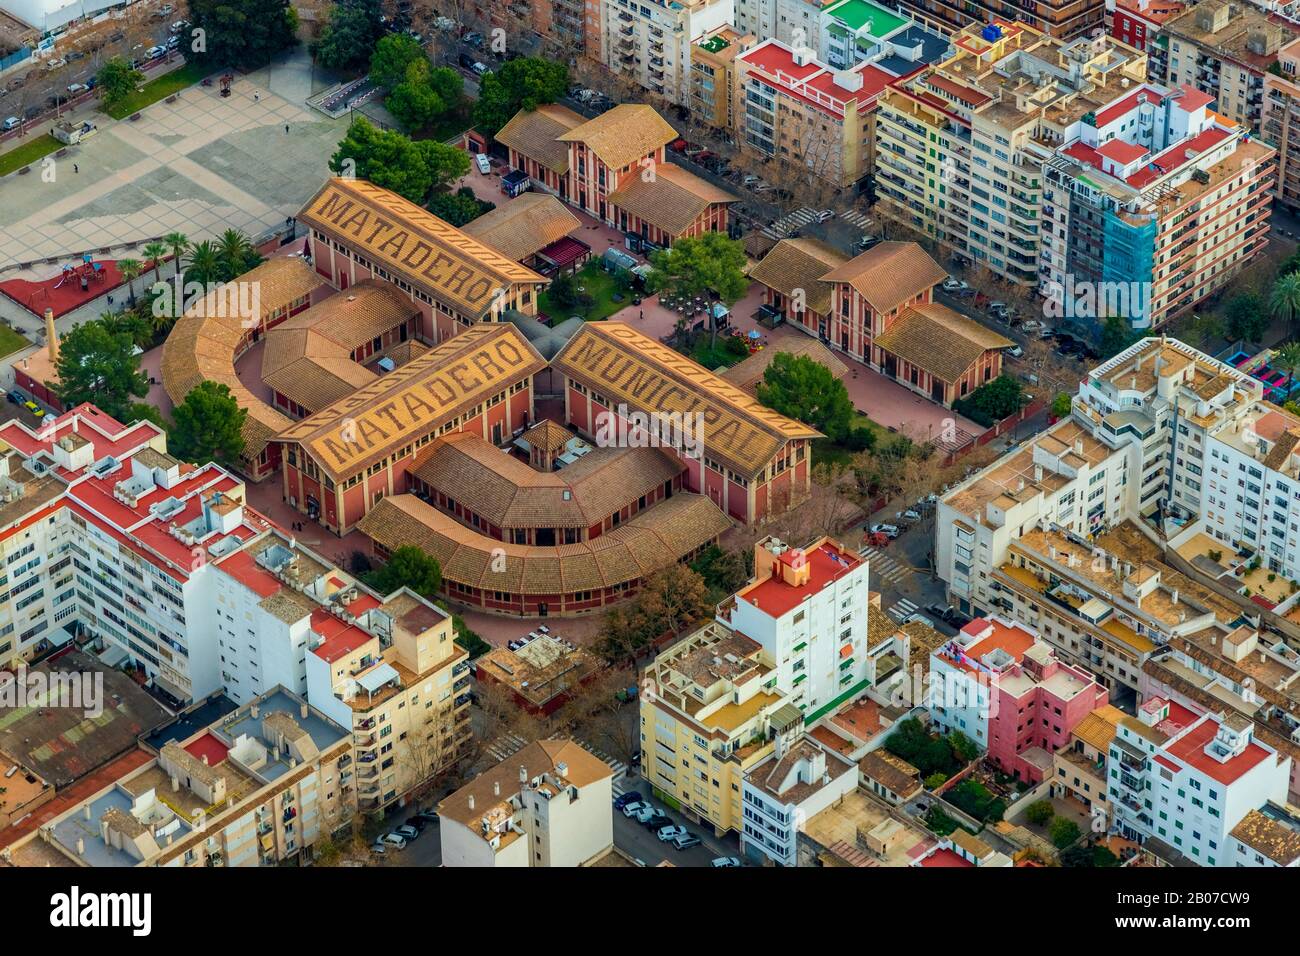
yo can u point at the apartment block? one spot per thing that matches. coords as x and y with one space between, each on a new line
1064 534
1079 768
1138 23
713 77
1000 685
810 118
857 31
549 805
1281 122
712 712
1183 779
650 42
1225 50
1062 19
1059 168
257 788
795 23
807 609
801 778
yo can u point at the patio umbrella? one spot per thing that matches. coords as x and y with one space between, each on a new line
755 335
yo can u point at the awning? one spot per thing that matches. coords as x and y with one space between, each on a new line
566 251
377 677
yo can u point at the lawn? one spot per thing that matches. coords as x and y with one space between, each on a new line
825 450
28 153
11 341
728 351
159 89
592 281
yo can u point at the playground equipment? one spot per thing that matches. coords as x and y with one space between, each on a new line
89 271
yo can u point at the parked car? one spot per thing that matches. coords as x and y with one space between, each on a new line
407 832
726 861
1030 325
954 285
16 397
685 841
55 63
34 409
428 816
13 122
886 529
76 89
657 822
910 514
378 847
1015 351
480 68
670 833
646 814
630 809
154 52
623 799
483 163
395 840
173 42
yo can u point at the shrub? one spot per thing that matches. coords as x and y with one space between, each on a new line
1040 813
1063 832
935 781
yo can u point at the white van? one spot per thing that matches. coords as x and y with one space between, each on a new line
12 122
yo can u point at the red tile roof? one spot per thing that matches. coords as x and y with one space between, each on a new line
1190 749
825 565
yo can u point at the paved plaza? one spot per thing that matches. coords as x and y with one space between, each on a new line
199 165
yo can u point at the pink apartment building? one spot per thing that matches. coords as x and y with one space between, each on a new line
1005 689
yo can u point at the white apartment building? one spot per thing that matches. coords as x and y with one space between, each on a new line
1049 534
1187 778
650 42
549 805
800 779
101 529
807 608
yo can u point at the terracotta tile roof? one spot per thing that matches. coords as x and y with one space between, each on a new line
417 247
511 494
749 372
1097 729
548 436
1281 451
939 340
536 134
1269 836
672 199
525 225
800 264
628 367
634 550
352 318
889 274
582 768
202 344
622 135
428 391
892 773
317 382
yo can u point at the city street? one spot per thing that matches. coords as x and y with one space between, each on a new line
644 845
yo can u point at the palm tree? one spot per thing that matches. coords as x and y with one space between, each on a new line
1284 301
130 270
1288 357
155 252
234 251
179 242
203 262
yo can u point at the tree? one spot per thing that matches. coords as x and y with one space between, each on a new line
963 748
1040 813
116 81
394 55
463 207
672 599
1247 319
1116 336
203 264
392 161
208 425
1284 302
710 265
235 255
155 253
100 366
992 401
1288 357
1063 832
724 572
409 567
348 38
243 33
130 270
1061 405
802 388
522 84
179 244
413 102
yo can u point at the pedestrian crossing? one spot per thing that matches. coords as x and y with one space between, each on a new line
883 567
901 610
505 747
857 218
790 222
